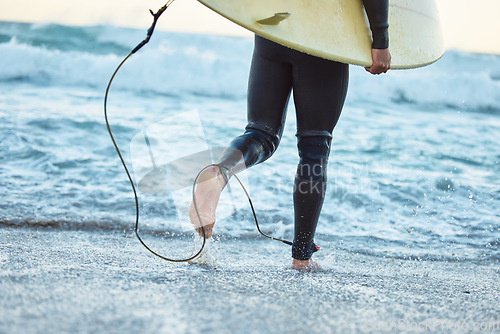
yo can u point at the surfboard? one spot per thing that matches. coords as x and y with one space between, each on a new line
339 29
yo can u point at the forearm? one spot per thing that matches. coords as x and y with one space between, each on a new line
378 15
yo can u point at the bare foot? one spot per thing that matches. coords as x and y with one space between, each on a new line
207 193
305 265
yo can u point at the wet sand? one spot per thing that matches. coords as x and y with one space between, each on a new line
61 281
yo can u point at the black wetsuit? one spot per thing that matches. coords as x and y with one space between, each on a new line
319 90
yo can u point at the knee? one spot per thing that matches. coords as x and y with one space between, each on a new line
267 143
255 146
313 152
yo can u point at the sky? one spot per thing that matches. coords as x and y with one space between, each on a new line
467 25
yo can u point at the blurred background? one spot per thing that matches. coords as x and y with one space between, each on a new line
468 26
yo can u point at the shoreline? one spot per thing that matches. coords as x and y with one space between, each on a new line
83 282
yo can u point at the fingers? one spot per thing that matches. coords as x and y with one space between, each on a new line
377 69
381 61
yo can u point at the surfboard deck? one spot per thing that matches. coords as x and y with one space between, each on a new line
339 30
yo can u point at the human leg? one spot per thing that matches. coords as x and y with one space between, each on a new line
269 88
320 88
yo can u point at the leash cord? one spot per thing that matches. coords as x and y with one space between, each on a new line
150 31
156 16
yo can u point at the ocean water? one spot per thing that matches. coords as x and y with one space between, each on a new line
413 171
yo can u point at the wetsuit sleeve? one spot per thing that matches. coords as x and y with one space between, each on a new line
378 15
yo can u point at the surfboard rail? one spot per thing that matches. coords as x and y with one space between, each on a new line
338 29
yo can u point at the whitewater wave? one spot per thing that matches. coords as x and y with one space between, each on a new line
179 64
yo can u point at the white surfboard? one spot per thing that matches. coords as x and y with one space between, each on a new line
339 30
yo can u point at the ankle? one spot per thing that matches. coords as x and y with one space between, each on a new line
208 173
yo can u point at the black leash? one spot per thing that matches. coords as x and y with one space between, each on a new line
150 31
156 16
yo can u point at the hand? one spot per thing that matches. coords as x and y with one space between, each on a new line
381 61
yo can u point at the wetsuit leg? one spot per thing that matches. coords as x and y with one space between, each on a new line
269 89
320 88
